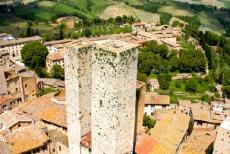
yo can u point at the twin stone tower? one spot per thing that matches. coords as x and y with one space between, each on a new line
100 81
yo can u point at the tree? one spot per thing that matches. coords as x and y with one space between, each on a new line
61 32
142 77
192 61
165 18
34 55
57 72
191 85
29 31
148 121
227 91
164 80
87 32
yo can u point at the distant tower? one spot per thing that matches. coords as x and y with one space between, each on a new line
101 86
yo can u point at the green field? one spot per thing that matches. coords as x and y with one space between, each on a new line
176 11
123 9
210 24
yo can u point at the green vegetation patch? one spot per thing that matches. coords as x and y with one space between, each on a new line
209 23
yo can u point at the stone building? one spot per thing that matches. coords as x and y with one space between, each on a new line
20 85
53 115
4 58
15 88
102 74
140 105
6 37
8 102
169 133
222 143
13 47
56 58
154 102
50 83
57 45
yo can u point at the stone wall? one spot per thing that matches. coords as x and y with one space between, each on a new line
101 96
113 101
78 94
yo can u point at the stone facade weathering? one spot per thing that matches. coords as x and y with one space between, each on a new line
101 94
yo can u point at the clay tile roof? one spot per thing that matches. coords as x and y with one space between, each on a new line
21 40
5 148
56 56
155 99
185 103
10 118
86 140
26 139
170 131
5 98
136 24
140 84
57 42
201 112
44 108
145 144
54 114
60 96
57 136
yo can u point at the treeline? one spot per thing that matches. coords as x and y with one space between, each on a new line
156 59
217 50
92 27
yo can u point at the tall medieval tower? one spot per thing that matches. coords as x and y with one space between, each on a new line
101 95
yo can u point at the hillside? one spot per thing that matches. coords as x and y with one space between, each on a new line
157 11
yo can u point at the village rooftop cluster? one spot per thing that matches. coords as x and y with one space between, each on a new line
30 123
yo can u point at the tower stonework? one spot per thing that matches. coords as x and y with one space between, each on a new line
78 92
113 97
102 95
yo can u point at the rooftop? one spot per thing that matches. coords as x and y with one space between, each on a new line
116 46
185 103
5 98
44 108
20 40
137 24
27 138
170 131
56 56
52 82
5 148
140 84
154 99
57 136
145 144
198 142
201 112
86 140
57 42
10 118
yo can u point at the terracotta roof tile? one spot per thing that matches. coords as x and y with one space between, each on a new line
45 109
86 140
154 99
56 56
26 139
170 131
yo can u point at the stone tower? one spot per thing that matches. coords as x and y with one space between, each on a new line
101 86
78 78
